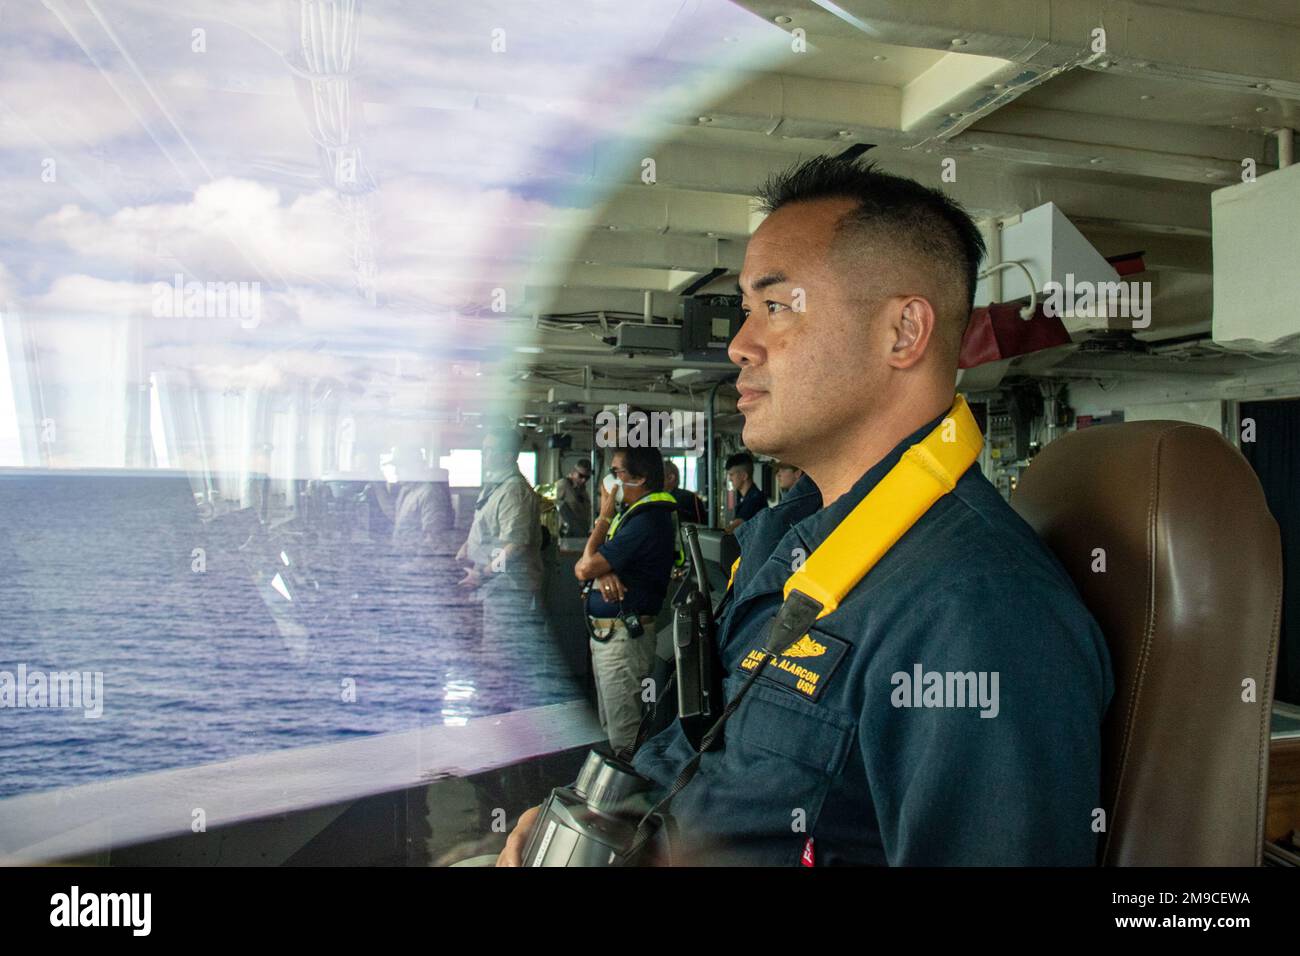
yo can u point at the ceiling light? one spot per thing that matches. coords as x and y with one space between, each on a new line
782 19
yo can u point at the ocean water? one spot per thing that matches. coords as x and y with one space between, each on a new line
255 652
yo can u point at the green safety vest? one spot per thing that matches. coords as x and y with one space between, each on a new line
655 497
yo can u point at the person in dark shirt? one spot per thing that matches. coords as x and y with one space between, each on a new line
749 499
690 506
856 290
787 476
629 556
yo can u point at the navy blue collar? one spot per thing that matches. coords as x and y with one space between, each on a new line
801 519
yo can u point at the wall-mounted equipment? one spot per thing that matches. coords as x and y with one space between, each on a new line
1047 246
709 323
642 337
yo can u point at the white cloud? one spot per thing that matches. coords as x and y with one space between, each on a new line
58 104
231 230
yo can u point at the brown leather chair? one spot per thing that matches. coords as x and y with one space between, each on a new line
1190 603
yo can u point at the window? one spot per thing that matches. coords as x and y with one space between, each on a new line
465 467
687 466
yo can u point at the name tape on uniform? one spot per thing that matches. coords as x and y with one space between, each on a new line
806 665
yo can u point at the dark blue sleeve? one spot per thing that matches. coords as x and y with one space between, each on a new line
1019 787
751 504
631 540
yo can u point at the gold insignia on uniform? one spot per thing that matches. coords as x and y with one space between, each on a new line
805 647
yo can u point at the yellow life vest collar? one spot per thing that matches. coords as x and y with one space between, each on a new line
655 497
926 472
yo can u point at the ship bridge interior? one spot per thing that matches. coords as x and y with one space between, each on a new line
261 261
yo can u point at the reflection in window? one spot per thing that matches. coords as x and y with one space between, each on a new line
239 287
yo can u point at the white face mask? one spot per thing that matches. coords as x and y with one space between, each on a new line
614 486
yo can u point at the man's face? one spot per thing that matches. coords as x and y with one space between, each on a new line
786 477
618 467
495 456
670 480
737 476
810 358
579 478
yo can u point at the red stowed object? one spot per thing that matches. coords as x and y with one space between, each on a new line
998 332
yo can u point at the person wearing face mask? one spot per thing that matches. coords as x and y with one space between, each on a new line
629 557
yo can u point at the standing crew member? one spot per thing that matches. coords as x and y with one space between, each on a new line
630 558
749 500
690 507
948 710
572 501
787 476
421 509
504 543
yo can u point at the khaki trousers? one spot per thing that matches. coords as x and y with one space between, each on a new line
620 664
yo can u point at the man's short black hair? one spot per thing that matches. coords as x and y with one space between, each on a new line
920 222
644 462
581 465
741 459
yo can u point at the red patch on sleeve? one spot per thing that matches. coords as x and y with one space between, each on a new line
808 859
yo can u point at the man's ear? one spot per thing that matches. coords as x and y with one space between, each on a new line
914 326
